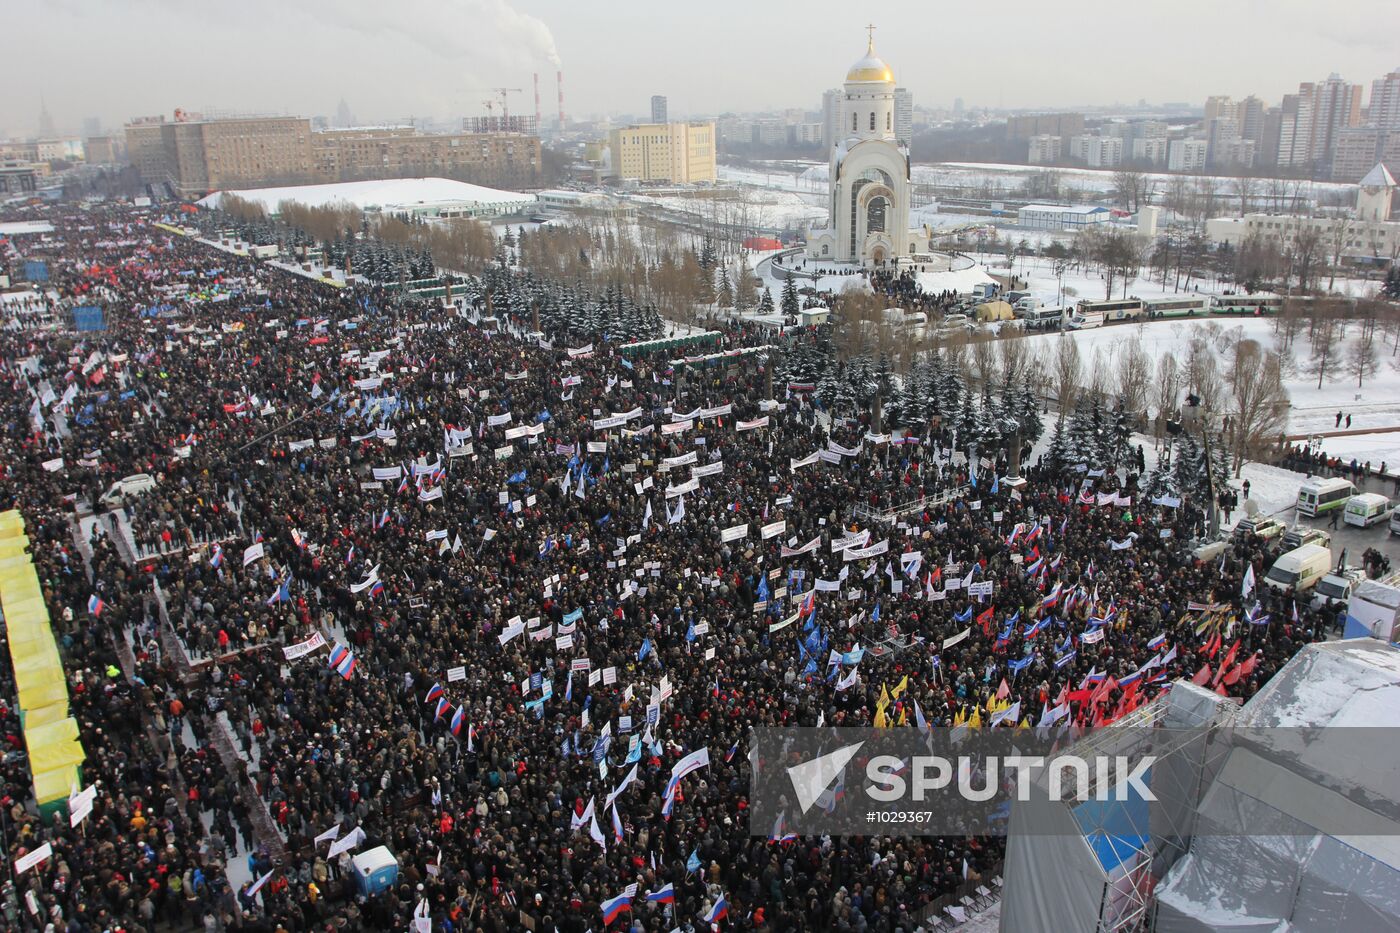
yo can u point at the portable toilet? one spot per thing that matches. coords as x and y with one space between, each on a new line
375 870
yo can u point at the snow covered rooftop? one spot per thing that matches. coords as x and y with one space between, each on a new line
1378 177
385 194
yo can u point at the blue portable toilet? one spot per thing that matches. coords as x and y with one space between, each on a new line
375 870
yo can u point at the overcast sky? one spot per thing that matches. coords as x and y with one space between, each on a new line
392 58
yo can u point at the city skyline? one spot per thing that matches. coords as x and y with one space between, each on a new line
432 58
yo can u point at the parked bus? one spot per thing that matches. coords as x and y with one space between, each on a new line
1044 318
1113 310
1176 307
1247 304
1324 495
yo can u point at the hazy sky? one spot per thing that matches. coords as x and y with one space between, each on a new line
388 58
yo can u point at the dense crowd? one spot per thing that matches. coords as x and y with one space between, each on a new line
535 592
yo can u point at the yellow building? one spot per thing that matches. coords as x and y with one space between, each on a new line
669 152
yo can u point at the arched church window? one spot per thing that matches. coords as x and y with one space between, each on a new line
878 176
875 216
872 119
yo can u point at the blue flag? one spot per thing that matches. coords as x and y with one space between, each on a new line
693 863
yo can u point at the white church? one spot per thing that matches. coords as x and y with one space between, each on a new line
870 189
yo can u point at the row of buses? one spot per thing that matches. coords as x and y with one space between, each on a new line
1097 313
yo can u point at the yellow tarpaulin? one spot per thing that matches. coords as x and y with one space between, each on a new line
37 696
56 784
54 745
45 715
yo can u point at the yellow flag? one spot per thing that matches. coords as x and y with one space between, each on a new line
903 716
976 720
903 685
880 721
959 719
884 700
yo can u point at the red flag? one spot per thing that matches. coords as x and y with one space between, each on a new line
1226 662
984 619
1202 676
1079 696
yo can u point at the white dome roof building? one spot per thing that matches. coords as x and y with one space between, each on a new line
869 194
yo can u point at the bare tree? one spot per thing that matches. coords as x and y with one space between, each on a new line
1130 189
1243 187
1361 356
1259 401
1323 363
1338 232
1069 370
1134 375
1304 252
1166 390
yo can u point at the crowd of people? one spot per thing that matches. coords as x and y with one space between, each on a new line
516 570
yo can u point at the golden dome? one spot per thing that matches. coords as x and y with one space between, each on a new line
871 68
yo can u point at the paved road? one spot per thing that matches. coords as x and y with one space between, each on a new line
1355 540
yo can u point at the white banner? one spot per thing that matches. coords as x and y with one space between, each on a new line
953 640
709 469
751 425
682 460
734 532
773 530
301 648
806 548
252 553
677 427
383 473
690 485
805 461
875 550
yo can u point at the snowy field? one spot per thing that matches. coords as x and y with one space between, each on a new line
1374 406
761 207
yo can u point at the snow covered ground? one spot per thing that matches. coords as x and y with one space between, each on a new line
1375 406
763 207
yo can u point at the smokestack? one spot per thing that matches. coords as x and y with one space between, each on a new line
559 79
537 102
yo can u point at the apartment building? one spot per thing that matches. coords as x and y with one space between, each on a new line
665 152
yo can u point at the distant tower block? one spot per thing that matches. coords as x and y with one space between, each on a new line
559 81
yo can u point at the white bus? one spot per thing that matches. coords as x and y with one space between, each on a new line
1324 495
1113 310
1176 307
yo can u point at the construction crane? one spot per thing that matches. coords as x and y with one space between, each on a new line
505 103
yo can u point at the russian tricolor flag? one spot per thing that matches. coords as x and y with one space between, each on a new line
1157 642
96 605
377 588
613 908
218 557
718 911
442 707
342 661
434 692
666 895
458 718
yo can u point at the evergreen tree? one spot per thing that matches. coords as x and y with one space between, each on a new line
726 290
765 301
790 304
1192 474
707 254
1391 288
1058 456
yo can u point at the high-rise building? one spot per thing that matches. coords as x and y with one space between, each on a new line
1103 151
903 115
1220 132
957 107
670 152
1336 106
46 127
831 116
1288 134
196 155
500 159
1220 105
658 108
1249 114
1044 150
1186 155
1384 110
1038 124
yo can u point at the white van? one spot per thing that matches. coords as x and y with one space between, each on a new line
1395 521
1083 320
1366 509
1300 568
1323 495
128 487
